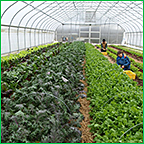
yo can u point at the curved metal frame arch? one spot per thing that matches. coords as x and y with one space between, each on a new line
64 13
39 21
43 20
11 23
43 13
68 19
31 18
22 20
50 23
122 19
8 8
125 9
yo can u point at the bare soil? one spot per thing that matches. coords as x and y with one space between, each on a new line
109 58
84 109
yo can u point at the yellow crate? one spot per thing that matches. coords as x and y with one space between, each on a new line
131 74
104 53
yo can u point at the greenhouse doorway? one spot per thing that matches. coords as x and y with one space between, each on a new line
90 34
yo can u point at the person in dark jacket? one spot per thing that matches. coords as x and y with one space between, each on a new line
123 61
104 46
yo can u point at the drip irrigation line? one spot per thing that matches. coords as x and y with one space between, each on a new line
112 98
130 129
109 100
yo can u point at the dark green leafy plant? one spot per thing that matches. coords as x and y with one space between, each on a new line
43 107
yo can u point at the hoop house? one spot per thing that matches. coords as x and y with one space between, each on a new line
30 23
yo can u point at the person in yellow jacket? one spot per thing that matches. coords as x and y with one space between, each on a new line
103 46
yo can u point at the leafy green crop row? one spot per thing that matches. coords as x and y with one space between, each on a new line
45 108
22 56
115 101
137 64
130 51
24 71
136 50
113 54
133 68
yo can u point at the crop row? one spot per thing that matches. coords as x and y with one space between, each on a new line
15 76
136 50
115 101
14 59
44 109
137 54
135 66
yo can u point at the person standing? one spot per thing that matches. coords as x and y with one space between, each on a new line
103 46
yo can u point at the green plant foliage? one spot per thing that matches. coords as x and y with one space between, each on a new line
111 50
133 68
115 100
43 107
130 51
14 59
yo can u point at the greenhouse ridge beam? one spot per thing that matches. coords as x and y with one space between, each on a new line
88 24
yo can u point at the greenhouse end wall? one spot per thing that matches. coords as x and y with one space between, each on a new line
93 34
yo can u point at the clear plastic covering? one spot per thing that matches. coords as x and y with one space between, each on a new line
20 18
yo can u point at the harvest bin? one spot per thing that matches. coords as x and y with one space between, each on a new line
104 53
131 74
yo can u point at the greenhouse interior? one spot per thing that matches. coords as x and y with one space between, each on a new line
72 71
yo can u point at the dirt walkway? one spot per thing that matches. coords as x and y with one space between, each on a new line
128 55
84 109
110 60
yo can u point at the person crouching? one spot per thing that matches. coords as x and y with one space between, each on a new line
123 61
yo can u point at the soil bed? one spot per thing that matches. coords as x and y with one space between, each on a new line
84 109
135 57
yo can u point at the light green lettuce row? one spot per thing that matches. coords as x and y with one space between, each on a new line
23 53
115 100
